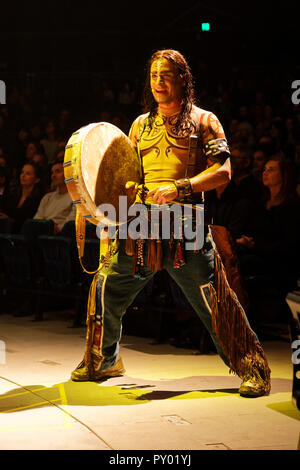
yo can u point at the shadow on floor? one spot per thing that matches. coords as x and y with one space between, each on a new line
93 394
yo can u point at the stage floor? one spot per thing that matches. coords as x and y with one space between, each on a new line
169 399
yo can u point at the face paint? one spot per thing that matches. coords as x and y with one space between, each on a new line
166 83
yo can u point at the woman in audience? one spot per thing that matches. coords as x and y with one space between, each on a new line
269 253
24 203
4 185
273 240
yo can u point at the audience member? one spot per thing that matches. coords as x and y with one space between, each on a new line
56 206
273 237
244 135
279 134
4 185
50 141
265 123
249 187
3 162
36 132
32 148
60 156
65 124
260 158
226 206
24 202
17 148
269 252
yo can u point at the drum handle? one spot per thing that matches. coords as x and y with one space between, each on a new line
80 223
139 152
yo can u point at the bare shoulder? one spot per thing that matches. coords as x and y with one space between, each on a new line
208 122
203 114
140 119
136 126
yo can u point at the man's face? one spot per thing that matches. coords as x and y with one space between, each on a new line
166 83
259 160
241 161
57 175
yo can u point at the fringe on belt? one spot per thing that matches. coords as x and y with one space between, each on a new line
136 249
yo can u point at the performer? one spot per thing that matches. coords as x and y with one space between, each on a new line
183 152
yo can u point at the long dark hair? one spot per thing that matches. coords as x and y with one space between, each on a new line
38 189
184 121
287 171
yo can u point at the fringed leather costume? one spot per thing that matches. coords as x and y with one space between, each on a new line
216 295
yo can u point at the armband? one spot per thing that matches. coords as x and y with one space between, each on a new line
217 148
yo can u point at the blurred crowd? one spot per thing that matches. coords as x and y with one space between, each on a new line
259 207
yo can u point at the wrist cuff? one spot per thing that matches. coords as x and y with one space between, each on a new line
184 188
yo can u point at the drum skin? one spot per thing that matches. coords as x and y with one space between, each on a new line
99 160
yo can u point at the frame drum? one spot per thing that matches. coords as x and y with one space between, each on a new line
99 160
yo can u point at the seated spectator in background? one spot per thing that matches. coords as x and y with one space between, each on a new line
65 124
50 141
36 132
107 95
227 207
32 148
4 185
249 187
3 162
53 212
297 154
56 205
60 156
260 158
17 148
23 204
244 117
271 247
126 97
62 144
233 132
266 143
41 160
279 135
264 125
244 135
293 131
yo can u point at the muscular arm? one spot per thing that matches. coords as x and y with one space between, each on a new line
207 180
212 177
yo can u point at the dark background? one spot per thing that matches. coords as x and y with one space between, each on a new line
68 48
